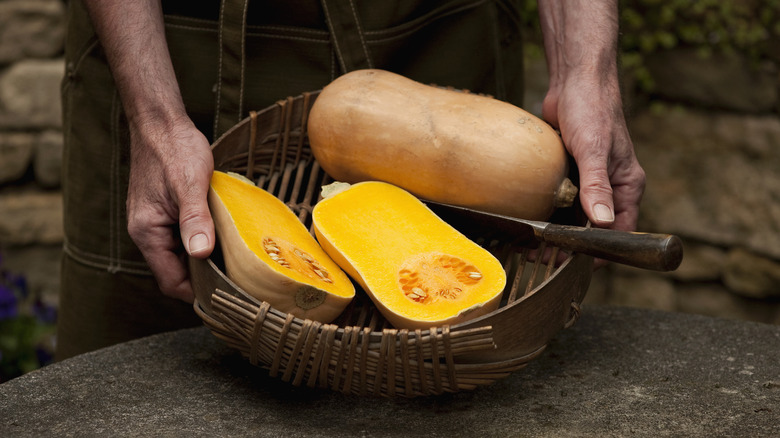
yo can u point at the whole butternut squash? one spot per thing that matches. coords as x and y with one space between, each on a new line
417 269
439 144
271 255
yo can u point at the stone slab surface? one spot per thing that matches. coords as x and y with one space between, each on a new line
617 372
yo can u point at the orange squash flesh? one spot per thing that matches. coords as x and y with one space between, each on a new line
417 269
271 255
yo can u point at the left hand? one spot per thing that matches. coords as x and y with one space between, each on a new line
589 115
169 180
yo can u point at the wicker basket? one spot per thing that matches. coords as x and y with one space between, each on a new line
360 353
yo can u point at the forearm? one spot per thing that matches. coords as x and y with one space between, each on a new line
133 36
584 103
171 163
580 38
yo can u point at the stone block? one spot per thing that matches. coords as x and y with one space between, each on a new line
30 95
598 289
719 81
16 153
752 275
715 300
616 373
636 288
701 262
47 162
31 217
31 29
711 177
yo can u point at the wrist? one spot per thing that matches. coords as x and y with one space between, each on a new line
158 127
163 117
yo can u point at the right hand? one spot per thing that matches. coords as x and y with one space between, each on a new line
170 170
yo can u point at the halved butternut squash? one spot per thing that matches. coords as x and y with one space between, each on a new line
271 255
417 269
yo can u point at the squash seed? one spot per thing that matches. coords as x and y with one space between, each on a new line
305 257
448 294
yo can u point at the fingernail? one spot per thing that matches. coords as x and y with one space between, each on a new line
603 213
198 243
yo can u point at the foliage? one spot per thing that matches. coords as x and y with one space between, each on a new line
708 26
748 27
26 327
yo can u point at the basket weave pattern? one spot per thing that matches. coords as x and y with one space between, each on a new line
360 353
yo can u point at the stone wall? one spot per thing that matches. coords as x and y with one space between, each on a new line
31 67
709 140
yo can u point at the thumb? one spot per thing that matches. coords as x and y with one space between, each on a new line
197 227
596 193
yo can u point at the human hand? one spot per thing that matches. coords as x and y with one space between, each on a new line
588 112
170 171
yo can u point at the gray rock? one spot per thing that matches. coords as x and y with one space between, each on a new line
30 217
47 162
637 288
716 300
751 275
701 262
720 81
617 372
42 151
30 95
711 177
31 29
16 152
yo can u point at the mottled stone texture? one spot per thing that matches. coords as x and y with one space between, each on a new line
31 29
617 372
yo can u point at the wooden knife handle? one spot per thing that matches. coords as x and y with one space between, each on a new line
659 252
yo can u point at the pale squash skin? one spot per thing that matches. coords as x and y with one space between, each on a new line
439 144
374 230
253 270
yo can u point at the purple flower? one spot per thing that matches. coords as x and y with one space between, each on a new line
8 303
44 356
17 282
44 312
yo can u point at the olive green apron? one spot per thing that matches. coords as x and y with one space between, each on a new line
230 58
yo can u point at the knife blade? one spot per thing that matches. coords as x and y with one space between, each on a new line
654 251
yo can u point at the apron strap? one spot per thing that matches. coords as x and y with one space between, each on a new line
232 61
347 35
347 38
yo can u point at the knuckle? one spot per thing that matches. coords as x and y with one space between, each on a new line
135 228
194 217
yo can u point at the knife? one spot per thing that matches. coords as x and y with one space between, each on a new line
658 252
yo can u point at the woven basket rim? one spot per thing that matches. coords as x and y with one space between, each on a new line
368 359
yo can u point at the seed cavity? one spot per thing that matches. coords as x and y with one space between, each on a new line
427 278
292 257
